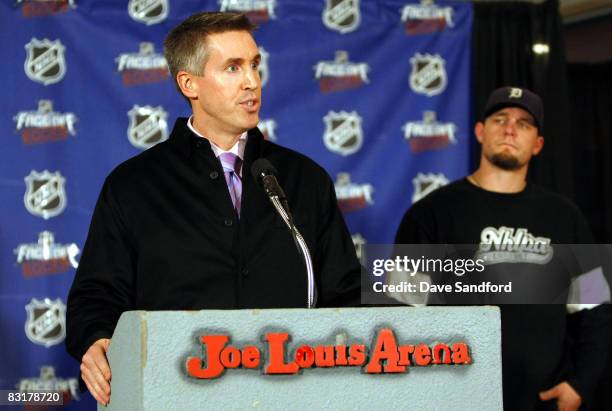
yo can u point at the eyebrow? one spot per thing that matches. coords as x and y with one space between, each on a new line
240 60
527 118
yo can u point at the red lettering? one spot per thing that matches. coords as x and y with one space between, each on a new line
277 365
385 349
324 356
213 344
341 355
357 354
305 356
230 357
441 354
404 354
461 354
251 357
422 356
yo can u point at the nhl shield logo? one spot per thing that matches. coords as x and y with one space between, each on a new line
45 61
342 15
45 195
46 322
148 11
428 74
343 132
148 126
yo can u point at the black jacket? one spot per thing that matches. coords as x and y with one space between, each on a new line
164 236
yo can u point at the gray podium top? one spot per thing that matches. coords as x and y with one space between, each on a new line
149 351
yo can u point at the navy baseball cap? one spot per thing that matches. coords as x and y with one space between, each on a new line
516 97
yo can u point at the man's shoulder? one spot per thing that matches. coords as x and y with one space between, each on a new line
553 199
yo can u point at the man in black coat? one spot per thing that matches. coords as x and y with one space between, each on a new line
179 228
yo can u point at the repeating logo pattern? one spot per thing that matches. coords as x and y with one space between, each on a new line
46 322
342 16
426 18
428 75
45 61
352 197
46 256
340 74
429 134
343 133
258 11
45 194
143 67
47 381
424 184
148 126
44 124
148 11
35 8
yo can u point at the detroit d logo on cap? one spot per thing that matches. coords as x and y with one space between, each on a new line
45 195
148 126
46 322
45 61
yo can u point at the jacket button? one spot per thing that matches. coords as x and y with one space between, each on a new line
229 222
214 175
245 272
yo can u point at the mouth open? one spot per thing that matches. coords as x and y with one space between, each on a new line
250 105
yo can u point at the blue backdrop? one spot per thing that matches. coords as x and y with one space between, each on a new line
377 92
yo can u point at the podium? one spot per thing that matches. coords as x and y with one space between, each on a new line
151 352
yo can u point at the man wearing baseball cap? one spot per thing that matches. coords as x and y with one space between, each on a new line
498 207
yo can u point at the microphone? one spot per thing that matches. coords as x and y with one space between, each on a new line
265 176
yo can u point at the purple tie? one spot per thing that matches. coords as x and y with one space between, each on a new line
231 167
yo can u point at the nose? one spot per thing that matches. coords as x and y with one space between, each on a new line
251 79
510 128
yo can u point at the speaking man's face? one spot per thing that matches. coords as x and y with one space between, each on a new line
509 138
229 93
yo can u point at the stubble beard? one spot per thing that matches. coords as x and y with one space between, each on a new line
505 161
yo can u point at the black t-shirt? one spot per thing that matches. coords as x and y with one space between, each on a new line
535 354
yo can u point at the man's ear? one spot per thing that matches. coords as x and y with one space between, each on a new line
478 129
538 146
187 84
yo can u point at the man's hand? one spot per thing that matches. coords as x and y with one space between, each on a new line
567 398
95 370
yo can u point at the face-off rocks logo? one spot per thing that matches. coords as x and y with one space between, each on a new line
513 245
424 184
148 11
45 195
426 18
429 134
268 129
343 133
264 69
69 387
148 126
343 16
36 8
386 356
352 197
143 67
45 61
428 75
46 322
341 74
44 125
257 11
46 257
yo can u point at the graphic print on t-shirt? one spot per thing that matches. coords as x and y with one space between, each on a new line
513 245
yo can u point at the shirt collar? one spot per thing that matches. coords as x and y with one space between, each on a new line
237 149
